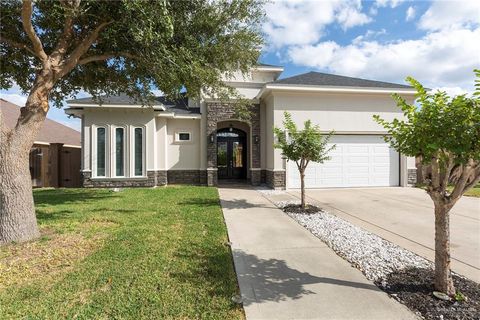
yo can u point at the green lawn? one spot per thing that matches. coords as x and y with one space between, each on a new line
474 192
138 253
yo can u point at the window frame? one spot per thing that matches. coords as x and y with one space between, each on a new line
94 166
178 133
113 143
132 153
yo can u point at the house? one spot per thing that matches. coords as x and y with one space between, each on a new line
55 155
203 142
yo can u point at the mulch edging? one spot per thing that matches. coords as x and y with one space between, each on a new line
414 287
295 208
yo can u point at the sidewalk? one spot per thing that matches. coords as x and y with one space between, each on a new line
284 272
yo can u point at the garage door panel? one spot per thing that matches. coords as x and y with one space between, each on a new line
357 160
358 170
381 170
357 149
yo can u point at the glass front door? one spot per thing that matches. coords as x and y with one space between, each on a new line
231 154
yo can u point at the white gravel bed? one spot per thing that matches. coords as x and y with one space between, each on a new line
270 192
374 256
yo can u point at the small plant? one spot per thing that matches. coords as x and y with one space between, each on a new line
460 297
302 146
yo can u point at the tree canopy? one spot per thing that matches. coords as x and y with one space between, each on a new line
302 146
55 49
444 132
307 144
128 46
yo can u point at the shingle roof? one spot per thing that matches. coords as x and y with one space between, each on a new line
324 79
51 131
178 106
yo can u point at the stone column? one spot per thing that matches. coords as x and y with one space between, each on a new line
211 144
255 171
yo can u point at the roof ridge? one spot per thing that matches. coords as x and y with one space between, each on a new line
330 79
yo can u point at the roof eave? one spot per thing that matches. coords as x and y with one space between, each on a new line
161 107
333 89
173 115
265 68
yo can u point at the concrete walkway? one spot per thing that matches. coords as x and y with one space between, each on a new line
285 272
405 217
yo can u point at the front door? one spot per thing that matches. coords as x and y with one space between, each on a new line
231 154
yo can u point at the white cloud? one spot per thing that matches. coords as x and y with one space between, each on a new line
350 17
15 98
451 14
370 34
451 91
410 15
303 22
444 58
387 3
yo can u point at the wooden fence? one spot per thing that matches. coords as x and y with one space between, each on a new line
55 166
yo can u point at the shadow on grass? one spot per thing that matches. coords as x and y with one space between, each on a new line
203 202
51 216
51 197
226 204
116 210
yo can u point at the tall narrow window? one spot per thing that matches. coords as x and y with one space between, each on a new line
138 151
119 152
101 152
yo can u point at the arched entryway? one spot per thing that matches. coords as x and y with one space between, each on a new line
231 153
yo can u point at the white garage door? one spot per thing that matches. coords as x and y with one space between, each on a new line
357 161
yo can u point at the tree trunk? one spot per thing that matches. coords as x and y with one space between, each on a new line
17 217
443 275
17 212
302 188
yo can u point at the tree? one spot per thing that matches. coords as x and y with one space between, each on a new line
53 50
302 146
444 132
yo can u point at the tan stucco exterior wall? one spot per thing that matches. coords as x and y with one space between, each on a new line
183 155
111 117
162 151
348 113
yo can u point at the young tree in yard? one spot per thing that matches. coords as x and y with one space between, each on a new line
445 133
55 49
302 146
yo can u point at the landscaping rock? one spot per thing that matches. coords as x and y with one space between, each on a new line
374 256
407 277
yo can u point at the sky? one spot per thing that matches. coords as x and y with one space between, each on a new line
436 42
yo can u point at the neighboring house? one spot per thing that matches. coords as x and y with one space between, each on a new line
202 142
55 155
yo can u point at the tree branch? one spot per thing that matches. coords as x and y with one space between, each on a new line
445 175
475 179
27 9
63 42
82 48
106 56
435 173
459 188
17 45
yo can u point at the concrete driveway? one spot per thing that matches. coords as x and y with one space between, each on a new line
405 216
